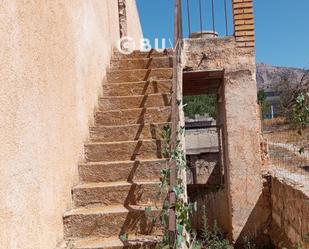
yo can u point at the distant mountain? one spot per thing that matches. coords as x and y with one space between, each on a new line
268 77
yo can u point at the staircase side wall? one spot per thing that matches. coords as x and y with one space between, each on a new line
54 56
133 20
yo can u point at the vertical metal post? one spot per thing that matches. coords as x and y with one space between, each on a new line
177 22
201 16
180 20
221 162
213 18
226 19
174 120
233 17
188 14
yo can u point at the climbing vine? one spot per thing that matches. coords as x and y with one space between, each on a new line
186 238
183 209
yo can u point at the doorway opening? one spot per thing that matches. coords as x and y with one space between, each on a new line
204 128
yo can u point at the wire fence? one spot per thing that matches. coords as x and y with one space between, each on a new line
288 148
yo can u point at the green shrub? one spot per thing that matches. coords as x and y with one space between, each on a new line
201 104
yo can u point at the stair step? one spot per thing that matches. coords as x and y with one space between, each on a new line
142 63
129 102
126 132
121 170
139 54
119 180
137 88
111 221
118 193
133 116
119 76
123 151
140 242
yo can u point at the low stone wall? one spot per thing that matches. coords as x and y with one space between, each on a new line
290 210
280 217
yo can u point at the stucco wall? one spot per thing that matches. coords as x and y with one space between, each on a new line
54 55
241 121
133 21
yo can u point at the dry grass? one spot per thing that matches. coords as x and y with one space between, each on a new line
284 146
283 158
288 137
275 122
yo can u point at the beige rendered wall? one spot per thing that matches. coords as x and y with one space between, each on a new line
54 56
134 29
241 121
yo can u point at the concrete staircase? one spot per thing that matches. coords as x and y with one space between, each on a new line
119 179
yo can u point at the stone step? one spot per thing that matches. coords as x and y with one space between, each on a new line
119 76
126 132
139 54
118 193
122 170
142 63
111 221
133 242
137 88
123 151
130 102
133 116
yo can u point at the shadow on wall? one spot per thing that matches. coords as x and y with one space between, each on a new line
256 230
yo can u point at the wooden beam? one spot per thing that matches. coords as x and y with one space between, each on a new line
202 82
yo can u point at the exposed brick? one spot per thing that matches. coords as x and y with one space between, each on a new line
250 44
240 1
246 44
245 39
243 5
243 16
243 11
244 33
244 27
244 22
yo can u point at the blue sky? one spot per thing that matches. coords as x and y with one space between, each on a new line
282 26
